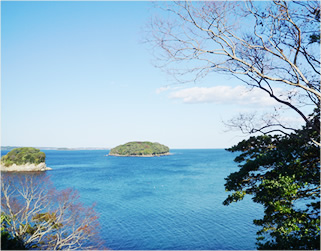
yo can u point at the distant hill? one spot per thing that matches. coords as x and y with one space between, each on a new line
140 149
9 148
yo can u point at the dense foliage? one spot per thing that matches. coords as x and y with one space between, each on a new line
9 242
23 155
283 174
139 149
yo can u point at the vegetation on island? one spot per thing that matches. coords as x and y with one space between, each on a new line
137 148
23 155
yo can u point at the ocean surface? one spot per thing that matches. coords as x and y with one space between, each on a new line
171 202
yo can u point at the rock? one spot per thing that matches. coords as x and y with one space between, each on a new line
25 168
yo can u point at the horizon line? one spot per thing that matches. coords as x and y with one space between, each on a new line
100 148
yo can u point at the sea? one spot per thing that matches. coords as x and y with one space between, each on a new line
171 202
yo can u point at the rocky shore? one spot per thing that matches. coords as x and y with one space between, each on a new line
25 168
149 155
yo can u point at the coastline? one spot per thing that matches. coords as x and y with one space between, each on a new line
145 156
25 168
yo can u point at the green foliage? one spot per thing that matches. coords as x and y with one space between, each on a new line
46 217
15 243
283 174
139 149
23 155
9 242
315 38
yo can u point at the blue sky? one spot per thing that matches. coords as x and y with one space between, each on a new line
76 74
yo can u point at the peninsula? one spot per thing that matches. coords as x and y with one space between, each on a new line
24 159
140 149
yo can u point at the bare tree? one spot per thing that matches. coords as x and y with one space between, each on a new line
40 217
270 45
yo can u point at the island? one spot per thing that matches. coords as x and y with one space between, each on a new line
140 149
24 159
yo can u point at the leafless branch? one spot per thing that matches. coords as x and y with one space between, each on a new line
42 216
271 50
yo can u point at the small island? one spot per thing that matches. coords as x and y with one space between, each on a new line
24 159
140 149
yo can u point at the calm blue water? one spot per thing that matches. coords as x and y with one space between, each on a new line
169 202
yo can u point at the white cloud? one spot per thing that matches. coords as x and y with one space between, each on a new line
224 95
162 89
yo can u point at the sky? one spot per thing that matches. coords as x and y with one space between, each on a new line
77 74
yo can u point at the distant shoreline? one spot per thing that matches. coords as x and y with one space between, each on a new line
144 156
9 148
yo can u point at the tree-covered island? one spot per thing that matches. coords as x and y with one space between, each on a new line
24 159
140 149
